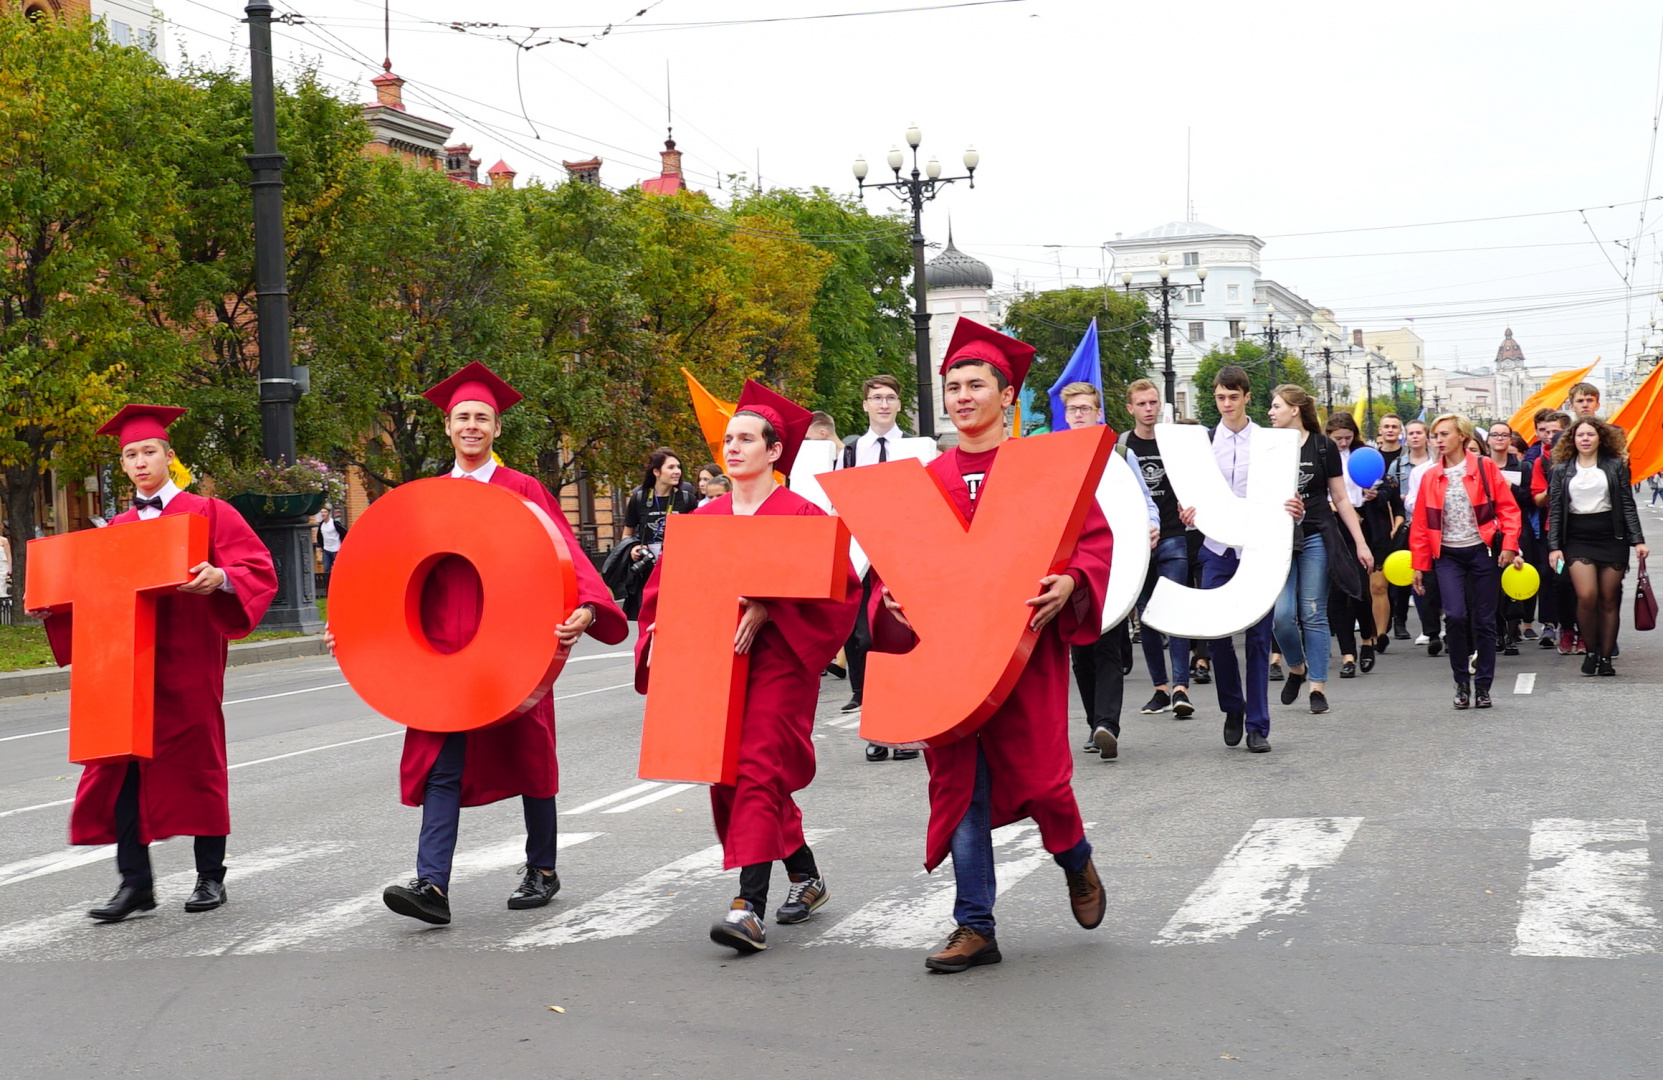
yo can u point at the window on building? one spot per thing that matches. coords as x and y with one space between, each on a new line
1192 258
1235 329
1232 294
1195 294
1183 404
1198 331
120 32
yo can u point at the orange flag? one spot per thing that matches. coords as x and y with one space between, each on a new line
1641 418
1550 396
713 414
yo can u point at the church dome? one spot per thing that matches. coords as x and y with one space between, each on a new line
1509 348
953 269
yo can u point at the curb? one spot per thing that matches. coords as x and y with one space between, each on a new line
53 680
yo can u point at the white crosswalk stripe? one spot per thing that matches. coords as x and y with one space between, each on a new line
1266 875
1588 890
343 916
52 863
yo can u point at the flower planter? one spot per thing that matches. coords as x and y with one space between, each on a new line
259 508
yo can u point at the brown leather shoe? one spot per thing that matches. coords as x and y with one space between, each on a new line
1086 896
965 949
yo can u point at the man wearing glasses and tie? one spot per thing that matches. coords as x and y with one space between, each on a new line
881 398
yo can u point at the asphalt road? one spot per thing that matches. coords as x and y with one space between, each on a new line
1398 890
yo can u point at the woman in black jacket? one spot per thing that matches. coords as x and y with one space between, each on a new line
1592 523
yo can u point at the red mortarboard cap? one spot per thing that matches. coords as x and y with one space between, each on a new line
789 419
476 382
973 341
135 423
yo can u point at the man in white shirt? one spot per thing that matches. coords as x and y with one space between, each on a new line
881 399
330 533
1232 449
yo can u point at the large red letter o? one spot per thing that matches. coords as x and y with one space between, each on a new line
529 585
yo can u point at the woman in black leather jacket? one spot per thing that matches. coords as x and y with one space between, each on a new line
1592 523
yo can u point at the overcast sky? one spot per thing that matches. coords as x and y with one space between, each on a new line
1318 127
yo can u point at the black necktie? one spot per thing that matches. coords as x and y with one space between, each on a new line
883 449
139 503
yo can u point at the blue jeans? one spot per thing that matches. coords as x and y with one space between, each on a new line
442 815
1301 622
1170 560
1216 569
972 848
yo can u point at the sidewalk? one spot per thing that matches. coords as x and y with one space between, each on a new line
50 679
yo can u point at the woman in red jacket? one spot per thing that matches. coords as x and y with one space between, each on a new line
1466 528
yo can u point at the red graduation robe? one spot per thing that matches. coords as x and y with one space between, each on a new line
757 819
1029 759
517 757
183 789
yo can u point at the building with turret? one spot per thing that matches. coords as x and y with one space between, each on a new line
956 286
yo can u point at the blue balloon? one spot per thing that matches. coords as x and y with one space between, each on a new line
1366 466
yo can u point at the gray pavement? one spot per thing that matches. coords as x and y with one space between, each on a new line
1398 890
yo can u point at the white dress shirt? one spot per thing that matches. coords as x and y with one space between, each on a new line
867 449
482 474
149 513
1233 451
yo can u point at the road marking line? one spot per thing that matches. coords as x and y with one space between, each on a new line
1588 890
1266 874
38 933
673 789
598 656
349 912
315 749
33 734
1525 683
586 693
631 908
287 693
904 919
37 806
608 800
52 863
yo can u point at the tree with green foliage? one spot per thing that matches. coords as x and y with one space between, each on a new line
1053 323
90 134
1254 358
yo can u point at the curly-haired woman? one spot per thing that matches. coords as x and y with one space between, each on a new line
1592 522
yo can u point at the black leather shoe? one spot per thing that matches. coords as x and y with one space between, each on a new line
536 890
1463 696
420 899
903 754
1382 643
1481 698
1348 669
1435 647
1201 674
1319 701
853 705
837 671
874 752
208 895
1258 744
127 899
1233 723
1290 689
1365 659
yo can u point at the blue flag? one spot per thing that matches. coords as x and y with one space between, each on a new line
1083 366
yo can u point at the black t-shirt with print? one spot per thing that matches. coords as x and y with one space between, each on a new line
1148 453
1319 461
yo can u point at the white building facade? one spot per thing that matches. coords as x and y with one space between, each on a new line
129 22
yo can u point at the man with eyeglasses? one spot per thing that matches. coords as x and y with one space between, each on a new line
881 398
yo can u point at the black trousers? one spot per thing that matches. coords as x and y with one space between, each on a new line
132 858
1347 618
1099 673
860 641
753 879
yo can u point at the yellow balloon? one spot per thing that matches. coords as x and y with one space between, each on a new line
1399 568
1520 583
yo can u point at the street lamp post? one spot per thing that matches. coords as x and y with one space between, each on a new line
281 384
1273 335
1165 287
919 188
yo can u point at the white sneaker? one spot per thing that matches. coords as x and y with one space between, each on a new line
1422 640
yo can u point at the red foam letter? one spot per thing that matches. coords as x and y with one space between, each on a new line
964 586
109 580
696 696
529 586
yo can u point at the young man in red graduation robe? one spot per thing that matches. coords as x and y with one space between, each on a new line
442 773
1016 765
183 790
790 642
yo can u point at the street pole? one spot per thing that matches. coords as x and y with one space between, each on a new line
289 538
1166 346
1327 378
1368 391
916 190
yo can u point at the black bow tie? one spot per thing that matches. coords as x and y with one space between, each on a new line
139 503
